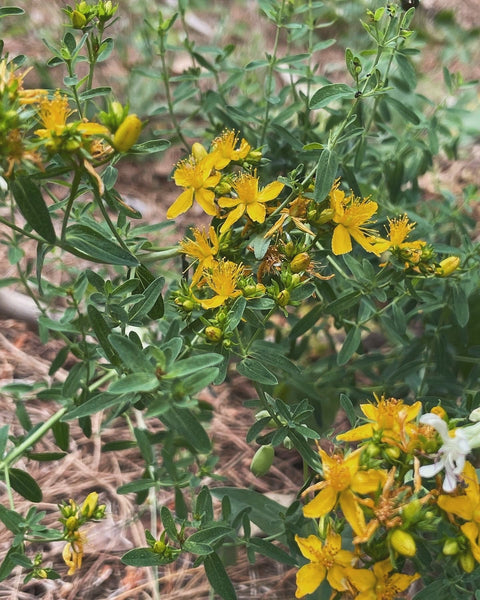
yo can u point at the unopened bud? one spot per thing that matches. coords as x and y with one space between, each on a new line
127 134
392 452
403 542
450 547
159 547
411 510
223 188
262 460
198 151
283 298
467 561
300 262
79 20
448 265
89 505
213 334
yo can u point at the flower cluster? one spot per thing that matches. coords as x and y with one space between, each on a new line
73 517
260 244
381 497
36 124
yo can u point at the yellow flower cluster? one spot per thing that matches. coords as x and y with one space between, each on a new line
390 503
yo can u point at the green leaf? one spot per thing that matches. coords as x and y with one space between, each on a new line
266 548
150 147
29 199
95 246
11 519
195 548
350 345
46 456
235 314
94 93
264 512
256 371
101 401
132 356
25 485
325 175
210 535
61 433
135 382
7 11
307 321
152 301
347 406
218 577
102 331
330 92
193 364
185 423
168 523
192 384
136 486
460 305
3 439
146 557
402 109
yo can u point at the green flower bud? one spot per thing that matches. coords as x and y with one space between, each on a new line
283 298
450 547
467 561
127 134
411 510
300 262
213 334
159 547
262 460
403 542
79 20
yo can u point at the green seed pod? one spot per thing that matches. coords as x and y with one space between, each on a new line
213 334
262 460
450 547
300 262
467 561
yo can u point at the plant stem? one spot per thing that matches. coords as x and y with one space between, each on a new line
73 191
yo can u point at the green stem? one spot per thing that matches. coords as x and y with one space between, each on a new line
17 452
6 476
73 191
271 66
22 231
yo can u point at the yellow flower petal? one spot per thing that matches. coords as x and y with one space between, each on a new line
256 212
322 504
309 577
181 204
341 241
352 512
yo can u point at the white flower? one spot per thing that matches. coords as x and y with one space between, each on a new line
451 455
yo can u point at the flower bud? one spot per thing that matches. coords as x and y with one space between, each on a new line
467 561
72 523
448 265
450 547
283 298
300 262
403 542
198 152
262 460
213 334
127 134
159 547
89 505
411 510
392 452
79 20
223 188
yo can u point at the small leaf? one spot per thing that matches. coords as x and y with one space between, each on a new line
347 406
326 174
146 557
349 347
330 92
218 577
256 371
29 199
135 382
97 247
168 523
25 485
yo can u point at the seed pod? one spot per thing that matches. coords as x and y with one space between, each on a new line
283 298
262 460
127 134
403 542
300 262
467 561
213 334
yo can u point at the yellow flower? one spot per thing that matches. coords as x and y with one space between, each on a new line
390 418
351 215
248 199
342 479
380 583
203 249
326 560
89 505
127 134
73 553
466 507
222 279
223 149
399 230
196 177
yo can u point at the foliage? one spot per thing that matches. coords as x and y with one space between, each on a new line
316 243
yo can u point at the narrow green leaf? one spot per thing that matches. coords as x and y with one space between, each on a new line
350 345
3 439
97 247
210 535
460 305
193 364
326 173
330 92
218 577
136 486
196 548
102 331
101 401
146 557
29 199
7 11
402 109
168 523
11 519
256 371
152 300
347 406
135 382
186 424
132 356
25 485
266 548
94 93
